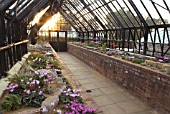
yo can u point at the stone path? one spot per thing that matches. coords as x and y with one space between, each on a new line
110 97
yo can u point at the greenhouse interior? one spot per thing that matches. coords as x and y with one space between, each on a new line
85 56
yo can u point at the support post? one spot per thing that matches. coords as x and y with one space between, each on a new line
145 42
123 39
3 58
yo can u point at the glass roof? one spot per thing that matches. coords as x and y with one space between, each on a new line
116 14
96 15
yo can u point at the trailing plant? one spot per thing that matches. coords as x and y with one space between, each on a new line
10 102
34 99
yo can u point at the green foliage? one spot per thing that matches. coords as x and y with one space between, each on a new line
37 60
138 61
33 99
55 63
87 43
48 90
104 47
10 102
16 79
135 55
22 81
67 96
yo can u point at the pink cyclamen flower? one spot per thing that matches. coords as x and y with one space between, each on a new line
28 92
11 90
40 92
45 80
13 87
90 110
16 85
59 111
30 79
44 109
37 82
36 72
52 82
22 80
66 106
64 91
69 90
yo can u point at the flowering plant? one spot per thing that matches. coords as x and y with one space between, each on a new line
34 99
73 102
70 95
27 83
110 53
37 60
74 107
163 59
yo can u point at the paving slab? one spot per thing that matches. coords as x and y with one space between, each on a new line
107 95
109 90
112 109
130 107
118 97
103 100
95 93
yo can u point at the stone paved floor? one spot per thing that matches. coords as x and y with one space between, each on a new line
110 97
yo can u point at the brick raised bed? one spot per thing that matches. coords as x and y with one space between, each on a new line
150 86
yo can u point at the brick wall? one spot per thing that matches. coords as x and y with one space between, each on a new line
148 85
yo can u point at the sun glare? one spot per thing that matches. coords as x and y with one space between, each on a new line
50 24
38 16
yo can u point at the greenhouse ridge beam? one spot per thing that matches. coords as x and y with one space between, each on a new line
37 8
24 5
32 9
28 10
6 4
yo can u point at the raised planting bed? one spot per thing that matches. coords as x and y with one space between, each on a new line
40 87
147 83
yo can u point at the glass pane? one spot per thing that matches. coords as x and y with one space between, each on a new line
131 11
